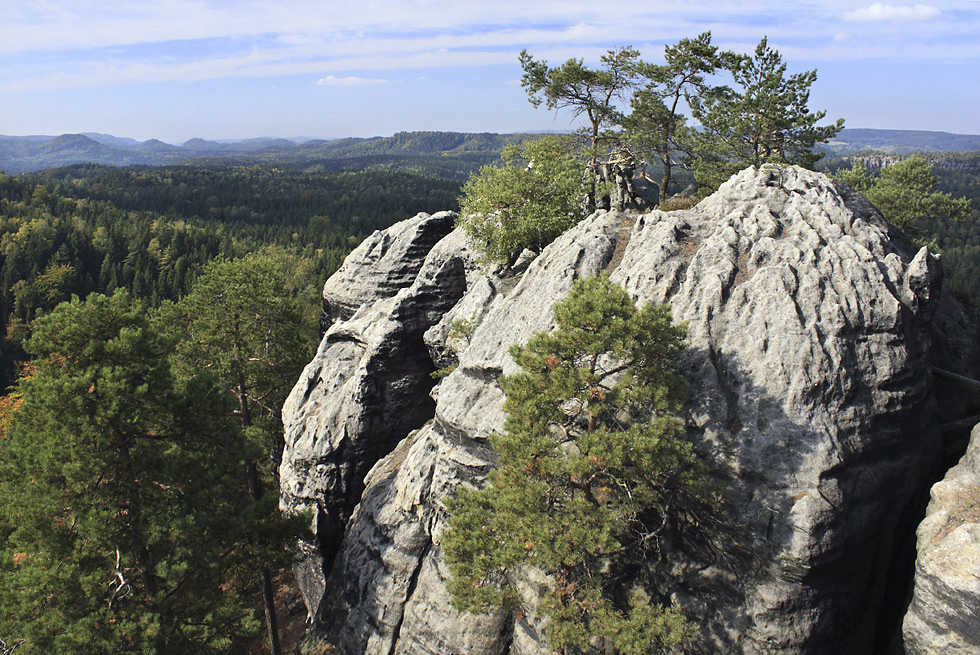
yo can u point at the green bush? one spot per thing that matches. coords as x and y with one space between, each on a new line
537 194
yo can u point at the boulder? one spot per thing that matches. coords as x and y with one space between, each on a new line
944 616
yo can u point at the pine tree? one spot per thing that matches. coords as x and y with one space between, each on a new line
240 323
906 192
121 524
764 118
656 123
591 465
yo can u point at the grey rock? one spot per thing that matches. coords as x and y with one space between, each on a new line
944 616
470 398
389 577
808 362
367 386
383 264
809 345
390 567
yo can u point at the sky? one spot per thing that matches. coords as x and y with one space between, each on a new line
221 69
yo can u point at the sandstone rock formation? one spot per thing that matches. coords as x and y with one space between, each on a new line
369 382
383 264
944 617
809 344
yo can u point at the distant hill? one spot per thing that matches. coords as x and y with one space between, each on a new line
24 154
109 140
454 153
899 142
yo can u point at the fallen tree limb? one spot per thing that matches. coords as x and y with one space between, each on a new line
949 375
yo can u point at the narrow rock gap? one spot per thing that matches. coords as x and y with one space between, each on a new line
623 235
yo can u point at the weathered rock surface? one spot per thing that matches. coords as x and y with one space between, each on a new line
390 567
808 335
383 264
809 342
944 616
369 382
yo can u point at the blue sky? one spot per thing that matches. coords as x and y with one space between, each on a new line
218 69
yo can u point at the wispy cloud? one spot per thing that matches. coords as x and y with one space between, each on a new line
882 13
331 80
52 44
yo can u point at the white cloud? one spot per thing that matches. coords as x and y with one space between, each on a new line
882 13
331 80
93 43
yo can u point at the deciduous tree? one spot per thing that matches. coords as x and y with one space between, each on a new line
906 192
529 201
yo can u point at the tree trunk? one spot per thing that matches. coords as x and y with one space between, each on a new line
255 491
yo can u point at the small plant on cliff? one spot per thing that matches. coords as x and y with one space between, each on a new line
591 465
528 202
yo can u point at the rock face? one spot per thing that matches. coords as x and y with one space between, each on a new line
809 343
369 382
384 264
944 617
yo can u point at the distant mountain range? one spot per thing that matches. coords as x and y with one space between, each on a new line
900 142
19 154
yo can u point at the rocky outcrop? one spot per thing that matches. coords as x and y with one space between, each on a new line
390 566
809 341
369 383
944 616
383 264
808 334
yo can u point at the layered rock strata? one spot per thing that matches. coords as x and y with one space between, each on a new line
809 338
369 383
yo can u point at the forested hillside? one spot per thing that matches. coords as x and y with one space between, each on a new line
460 153
89 228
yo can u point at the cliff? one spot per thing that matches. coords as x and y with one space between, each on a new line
944 616
812 332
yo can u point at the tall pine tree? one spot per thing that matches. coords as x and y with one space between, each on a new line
122 527
241 323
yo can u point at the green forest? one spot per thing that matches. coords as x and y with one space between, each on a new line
86 228
144 307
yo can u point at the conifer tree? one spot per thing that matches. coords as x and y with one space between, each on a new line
592 93
764 118
906 192
240 323
591 465
656 123
121 524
